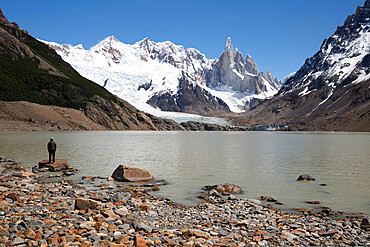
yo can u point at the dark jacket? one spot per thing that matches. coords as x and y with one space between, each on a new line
52 146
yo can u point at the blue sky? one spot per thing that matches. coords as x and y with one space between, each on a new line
278 34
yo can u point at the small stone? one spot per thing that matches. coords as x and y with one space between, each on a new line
312 202
144 206
156 188
123 239
14 197
38 236
29 233
121 211
144 227
171 242
18 241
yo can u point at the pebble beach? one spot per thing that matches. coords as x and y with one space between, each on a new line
36 212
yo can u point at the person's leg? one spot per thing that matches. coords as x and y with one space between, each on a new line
54 157
49 157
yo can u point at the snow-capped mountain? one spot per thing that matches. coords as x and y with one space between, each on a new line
332 89
343 58
167 77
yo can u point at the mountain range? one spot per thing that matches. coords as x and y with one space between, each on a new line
331 91
164 76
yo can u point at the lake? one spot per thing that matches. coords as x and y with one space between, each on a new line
262 163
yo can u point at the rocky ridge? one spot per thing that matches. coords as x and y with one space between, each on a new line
331 90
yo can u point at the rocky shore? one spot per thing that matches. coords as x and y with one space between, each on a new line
66 213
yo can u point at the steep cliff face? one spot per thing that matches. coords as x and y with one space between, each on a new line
31 71
331 90
190 98
241 74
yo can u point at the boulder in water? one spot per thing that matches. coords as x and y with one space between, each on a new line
131 174
306 177
57 166
225 188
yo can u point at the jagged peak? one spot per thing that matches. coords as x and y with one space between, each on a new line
367 4
3 19
229 43
109 40
144 41
79 46
268 71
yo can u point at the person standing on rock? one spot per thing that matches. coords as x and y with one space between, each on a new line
52 147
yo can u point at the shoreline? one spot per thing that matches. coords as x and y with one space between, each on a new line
64 213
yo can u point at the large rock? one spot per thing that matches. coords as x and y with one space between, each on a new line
59 165
305 177
131 174
85 204
225 188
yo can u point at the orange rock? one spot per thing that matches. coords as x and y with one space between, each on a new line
97 226
86 244
38 236
144 207
261 232
170 242
123 239
156 188
266 237
157 241
62 239
257 238
120 203
49 221
139 242
112 227
29 233
110 179
81 211
53 241
337 236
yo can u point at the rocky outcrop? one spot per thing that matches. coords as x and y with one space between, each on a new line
131 174
57 166
190 98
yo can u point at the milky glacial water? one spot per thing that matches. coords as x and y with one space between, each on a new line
262 163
